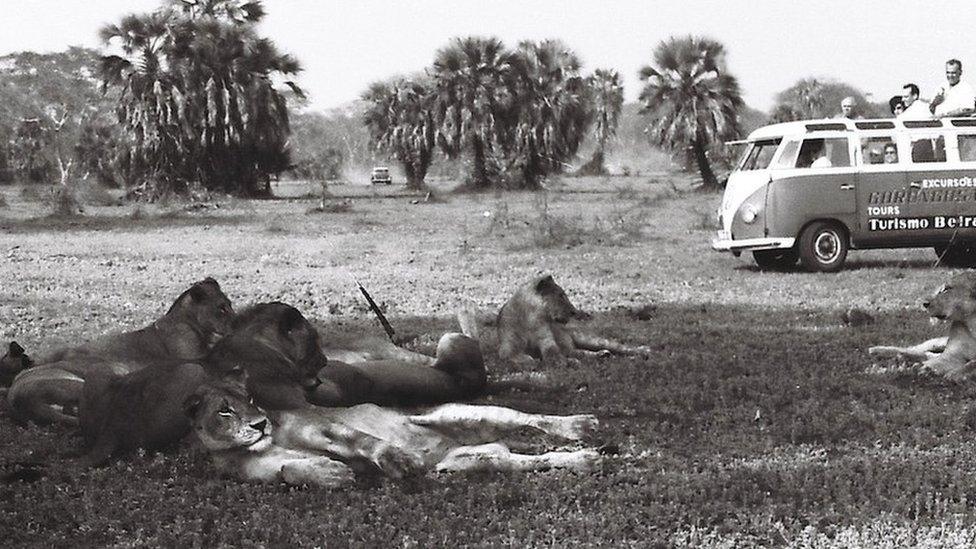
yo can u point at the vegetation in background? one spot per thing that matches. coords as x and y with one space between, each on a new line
691 99
819 98
197 96
607 96
400 118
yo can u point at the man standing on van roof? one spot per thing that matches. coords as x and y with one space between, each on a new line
848 108
915 108
955 99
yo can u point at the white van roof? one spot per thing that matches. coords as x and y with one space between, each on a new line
843 124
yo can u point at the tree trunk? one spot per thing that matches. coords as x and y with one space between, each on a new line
480 168
709 181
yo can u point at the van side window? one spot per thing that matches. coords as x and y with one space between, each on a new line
967 148
928 149
873 149
828 152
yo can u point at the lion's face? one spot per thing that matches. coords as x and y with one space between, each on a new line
284 342
224 418
12 363
557 305
206 307
956 301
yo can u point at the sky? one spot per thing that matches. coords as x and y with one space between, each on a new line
344 45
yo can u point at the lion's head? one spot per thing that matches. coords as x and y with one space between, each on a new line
557 305
224 418
956 301
274 342
204 306
12 363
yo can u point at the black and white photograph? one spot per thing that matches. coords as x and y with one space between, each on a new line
449 273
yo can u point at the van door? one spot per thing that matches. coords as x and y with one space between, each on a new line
881 182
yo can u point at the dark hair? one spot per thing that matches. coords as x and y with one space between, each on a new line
911 88
892 145
894 102
955 62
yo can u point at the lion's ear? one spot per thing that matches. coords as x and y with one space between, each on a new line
16 351
545 283
197 293
191 406
290 319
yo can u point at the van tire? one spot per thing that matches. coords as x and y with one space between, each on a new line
823 246
775 260
957 255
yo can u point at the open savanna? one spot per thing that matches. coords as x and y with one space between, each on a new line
758 419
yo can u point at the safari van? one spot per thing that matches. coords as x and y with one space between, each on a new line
812 190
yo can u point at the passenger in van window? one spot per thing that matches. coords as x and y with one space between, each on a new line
915 108
896 105
890 154
955 98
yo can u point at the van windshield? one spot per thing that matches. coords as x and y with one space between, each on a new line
758 154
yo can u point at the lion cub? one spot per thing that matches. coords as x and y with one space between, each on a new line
535 324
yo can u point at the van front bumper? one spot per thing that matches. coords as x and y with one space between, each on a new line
723 243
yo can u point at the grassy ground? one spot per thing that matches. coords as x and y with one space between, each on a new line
757 421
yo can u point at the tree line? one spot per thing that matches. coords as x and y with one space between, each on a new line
192 94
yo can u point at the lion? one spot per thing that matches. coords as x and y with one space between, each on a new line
535 324
953 356
15 361
329 447
50 391
272 343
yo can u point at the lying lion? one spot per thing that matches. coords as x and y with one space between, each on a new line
953 356
535 324
51 390
328 446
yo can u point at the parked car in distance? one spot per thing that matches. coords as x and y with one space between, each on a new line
380 175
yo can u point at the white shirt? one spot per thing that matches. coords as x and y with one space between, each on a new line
918 110
960 96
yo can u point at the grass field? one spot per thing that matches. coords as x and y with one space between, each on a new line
757 421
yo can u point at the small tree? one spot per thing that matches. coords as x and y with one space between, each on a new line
607 96
691 99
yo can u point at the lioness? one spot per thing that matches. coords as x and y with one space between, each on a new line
328 446
535 324
15 361
271 342
51 390
953 356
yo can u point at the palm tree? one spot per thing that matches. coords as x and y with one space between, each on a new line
607 97
551 113
692 99
197 97
400 119
471 94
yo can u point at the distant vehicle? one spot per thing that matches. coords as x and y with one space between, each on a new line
380 175
812 189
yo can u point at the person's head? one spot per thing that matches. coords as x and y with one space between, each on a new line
909 95
847 107
953 71
896 105
890 153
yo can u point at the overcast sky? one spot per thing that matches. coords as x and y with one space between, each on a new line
346 44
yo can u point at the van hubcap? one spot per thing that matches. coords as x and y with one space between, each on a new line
827 247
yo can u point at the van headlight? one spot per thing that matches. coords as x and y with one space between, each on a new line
749 213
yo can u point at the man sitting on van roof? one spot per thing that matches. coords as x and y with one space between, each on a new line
915 108
956 98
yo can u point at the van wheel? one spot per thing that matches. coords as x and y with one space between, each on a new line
823 247
775 260
957 255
